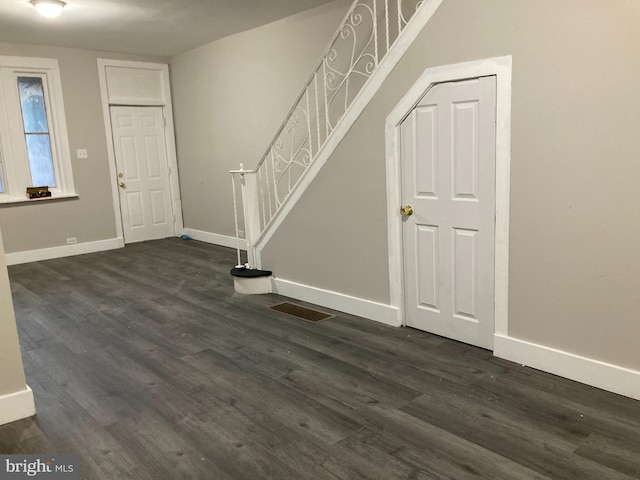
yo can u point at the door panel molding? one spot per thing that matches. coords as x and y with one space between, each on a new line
142 164
500 68
462 128
159 72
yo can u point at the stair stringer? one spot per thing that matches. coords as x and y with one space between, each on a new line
360 102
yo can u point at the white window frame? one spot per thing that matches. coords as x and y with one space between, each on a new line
14 160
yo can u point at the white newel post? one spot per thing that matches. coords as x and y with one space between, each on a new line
251 208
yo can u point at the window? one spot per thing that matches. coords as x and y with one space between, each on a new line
34 149
36 131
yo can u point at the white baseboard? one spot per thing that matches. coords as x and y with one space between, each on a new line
338 301
215 238
63 251
598 374
16 406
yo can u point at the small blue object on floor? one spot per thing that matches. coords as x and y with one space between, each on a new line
185 237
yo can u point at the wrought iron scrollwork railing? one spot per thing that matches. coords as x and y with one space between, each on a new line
368 32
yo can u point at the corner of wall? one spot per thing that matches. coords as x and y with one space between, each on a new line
16 398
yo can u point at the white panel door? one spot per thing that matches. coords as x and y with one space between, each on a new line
143 173
448 177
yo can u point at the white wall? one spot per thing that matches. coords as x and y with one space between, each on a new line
230 97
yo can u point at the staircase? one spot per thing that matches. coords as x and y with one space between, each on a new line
370 41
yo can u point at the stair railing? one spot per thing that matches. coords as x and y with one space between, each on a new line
367 33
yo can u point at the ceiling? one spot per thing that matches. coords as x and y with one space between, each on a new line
149 27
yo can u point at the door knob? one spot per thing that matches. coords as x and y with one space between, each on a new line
122 185
406 210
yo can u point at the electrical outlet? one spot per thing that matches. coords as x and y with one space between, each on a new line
72 240
82 153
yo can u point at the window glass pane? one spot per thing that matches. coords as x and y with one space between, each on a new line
34 112
40 160
36 129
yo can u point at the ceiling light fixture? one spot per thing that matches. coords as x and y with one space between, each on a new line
48 8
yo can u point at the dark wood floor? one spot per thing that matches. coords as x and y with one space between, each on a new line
147 365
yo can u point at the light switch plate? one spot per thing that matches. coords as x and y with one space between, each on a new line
82 153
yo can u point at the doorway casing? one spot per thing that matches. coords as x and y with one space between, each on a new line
158 94
501 68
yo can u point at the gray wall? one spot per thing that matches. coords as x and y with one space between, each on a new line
230 97
91 217
575 261
11 369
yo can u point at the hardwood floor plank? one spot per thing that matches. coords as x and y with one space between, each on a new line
592 398
101 396
358 382
366 455
415 351
486 423
440 453
229 415
163 448
24 437
291 407
617 453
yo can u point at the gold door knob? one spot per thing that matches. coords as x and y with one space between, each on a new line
122 185
406 210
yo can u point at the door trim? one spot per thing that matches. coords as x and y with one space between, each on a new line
501 68
165 103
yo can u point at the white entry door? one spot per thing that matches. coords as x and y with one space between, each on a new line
448 178
143 173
